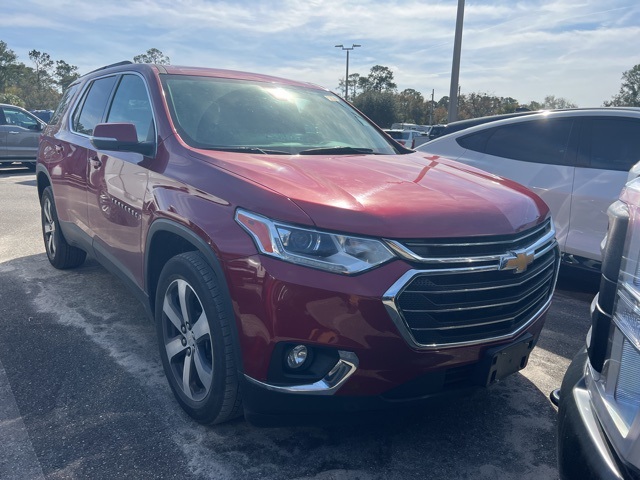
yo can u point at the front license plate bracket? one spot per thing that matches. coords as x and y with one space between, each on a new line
500 362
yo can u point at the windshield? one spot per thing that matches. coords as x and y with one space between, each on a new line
236 115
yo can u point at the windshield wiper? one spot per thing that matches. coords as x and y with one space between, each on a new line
263 151
340 150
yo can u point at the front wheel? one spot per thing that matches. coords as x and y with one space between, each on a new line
194 336
61 255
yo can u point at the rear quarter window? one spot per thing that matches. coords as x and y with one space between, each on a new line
611 143
538 141
67 97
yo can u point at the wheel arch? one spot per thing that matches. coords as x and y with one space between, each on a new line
42 179
165 240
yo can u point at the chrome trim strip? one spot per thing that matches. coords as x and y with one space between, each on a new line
404 252
332 381
531 233
405 331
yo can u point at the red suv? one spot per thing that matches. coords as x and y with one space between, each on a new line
293 257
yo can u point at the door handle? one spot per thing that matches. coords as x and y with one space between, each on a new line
95 161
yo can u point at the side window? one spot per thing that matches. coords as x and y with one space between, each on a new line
131 105
476 141
92 108
538 141
612 143
18 118
64 103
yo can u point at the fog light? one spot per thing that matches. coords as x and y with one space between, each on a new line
297 356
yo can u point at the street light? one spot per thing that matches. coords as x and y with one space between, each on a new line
346 78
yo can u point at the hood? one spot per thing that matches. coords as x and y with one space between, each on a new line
394 196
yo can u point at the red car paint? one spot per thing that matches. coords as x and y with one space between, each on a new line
116 204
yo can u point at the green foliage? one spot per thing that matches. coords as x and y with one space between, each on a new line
629 95
11 99
380 79
65 74
380 107
153 55
379 100
37 87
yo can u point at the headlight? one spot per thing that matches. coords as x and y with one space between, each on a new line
313 248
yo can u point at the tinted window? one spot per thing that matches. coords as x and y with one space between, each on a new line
18 118
64 102
476 141
612 143
93 107
540 141
131 105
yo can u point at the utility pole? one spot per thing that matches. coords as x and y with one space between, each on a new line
346 77
455 68
433 92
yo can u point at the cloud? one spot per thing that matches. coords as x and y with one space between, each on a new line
520 48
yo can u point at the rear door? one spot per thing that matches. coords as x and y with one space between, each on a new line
118 181
609 147
21 133
539 154
71 146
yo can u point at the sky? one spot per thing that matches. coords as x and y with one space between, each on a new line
524 49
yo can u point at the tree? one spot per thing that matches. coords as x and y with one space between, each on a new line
629 95
354 79
65 74
11 99
153 55
552 102
45 93
380 107
411 107
7 64
380 79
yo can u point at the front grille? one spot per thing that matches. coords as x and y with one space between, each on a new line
448 304
490 245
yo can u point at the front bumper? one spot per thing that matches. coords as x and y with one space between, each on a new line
584 452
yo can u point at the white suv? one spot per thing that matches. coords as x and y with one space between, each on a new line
576 160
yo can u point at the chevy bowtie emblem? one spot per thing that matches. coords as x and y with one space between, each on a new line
518 261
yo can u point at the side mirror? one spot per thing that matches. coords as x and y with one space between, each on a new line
121 137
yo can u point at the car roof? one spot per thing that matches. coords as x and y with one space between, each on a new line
535 115
197 71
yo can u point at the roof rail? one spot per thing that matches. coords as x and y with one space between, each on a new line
124 62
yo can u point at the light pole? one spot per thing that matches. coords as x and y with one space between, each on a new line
455 68
346 78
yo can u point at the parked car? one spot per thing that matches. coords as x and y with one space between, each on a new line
406 138
44 115
599 404
293 257
576 160
19 134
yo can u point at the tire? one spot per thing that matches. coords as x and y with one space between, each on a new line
194 337
61 255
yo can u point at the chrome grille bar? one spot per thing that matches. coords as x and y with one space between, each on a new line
488 299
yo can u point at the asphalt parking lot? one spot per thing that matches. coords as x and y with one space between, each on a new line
83 394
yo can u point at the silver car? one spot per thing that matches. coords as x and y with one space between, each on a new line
19 135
